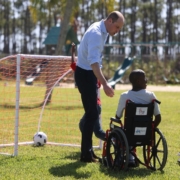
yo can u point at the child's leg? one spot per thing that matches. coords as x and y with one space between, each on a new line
99 133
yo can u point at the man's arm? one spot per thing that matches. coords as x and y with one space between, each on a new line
98 73
157 120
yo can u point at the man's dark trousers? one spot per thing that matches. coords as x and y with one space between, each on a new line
87 85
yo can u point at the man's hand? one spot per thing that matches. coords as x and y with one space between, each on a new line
98 73
108 90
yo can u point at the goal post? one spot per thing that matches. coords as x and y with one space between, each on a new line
18 62
37 93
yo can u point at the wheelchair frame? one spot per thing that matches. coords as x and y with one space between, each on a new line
122 143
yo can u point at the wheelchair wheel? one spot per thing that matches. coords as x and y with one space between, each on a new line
156 156
117 150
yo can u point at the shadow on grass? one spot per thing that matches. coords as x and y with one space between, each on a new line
9 106
140 172
65 107
73 169
70 169
48 106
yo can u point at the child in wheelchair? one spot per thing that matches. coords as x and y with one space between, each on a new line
138 94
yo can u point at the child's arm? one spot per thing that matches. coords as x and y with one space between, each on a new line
73 63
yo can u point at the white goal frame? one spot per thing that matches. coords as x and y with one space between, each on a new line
17 106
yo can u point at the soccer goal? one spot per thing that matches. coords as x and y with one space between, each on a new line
37 93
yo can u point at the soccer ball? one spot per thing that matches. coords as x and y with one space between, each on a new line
40 138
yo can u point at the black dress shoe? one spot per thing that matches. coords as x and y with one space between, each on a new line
132 164
93 155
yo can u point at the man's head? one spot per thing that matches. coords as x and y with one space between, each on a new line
138 79
114 22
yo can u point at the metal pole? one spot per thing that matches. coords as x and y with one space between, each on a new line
18 61
100 141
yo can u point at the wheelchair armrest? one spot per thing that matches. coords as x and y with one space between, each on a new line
115 120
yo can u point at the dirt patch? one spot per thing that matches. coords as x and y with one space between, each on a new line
165 88
125 87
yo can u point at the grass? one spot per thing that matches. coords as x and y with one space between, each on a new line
57 162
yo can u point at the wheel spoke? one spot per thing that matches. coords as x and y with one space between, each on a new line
150 157
160 151
158 142
113 153
154 162
159 161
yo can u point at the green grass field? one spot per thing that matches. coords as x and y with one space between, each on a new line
57 162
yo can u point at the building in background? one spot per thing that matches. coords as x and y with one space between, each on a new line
52 39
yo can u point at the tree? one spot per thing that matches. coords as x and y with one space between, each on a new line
64 26
67 8
59 48
6 26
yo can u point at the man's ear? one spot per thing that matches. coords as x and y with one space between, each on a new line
110 20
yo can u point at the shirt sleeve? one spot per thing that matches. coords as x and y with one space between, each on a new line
94 48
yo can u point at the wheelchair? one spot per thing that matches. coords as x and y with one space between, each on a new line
137 131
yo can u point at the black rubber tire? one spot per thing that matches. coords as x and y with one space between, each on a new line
117 150
158 153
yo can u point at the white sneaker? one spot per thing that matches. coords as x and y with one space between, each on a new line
131 157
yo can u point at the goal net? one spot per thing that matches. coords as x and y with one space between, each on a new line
37 93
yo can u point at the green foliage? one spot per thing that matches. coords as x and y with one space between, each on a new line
154 68
55 162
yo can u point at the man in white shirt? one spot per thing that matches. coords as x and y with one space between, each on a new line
88 72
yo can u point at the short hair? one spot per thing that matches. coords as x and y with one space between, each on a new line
135 74
114 16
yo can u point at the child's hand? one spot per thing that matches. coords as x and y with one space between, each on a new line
73 63
73 52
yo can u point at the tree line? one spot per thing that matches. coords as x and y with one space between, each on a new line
25 23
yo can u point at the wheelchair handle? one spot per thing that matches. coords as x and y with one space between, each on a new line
159 102
115 120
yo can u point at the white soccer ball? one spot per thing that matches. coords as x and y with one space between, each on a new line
40 138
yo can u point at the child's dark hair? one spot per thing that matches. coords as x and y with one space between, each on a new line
135 74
